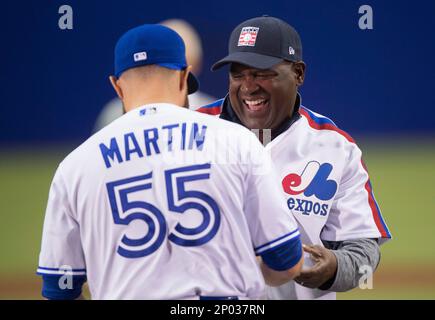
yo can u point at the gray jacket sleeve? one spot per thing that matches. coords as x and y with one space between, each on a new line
351 256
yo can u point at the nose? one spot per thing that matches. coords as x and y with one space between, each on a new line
249 85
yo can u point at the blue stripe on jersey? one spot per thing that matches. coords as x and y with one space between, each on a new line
59 269
319 120
381 219
51 287
270 243
284 256
217 103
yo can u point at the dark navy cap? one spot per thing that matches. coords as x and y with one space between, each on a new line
152 44
261 43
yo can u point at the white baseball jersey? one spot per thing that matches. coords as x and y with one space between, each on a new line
326 185
165 203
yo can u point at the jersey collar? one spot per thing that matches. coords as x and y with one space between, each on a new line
228 113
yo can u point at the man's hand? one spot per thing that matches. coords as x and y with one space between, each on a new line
324 268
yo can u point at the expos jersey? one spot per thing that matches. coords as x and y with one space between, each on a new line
165 203
325 182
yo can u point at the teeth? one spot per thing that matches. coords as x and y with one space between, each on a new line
254 102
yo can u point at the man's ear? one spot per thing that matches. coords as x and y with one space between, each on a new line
299 68
183 78
116 87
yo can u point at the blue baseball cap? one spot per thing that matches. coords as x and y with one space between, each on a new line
152 44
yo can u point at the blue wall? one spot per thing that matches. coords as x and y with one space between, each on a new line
54 82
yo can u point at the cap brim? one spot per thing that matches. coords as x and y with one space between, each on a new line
249 59
192 83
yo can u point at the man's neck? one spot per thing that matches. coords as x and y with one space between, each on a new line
141 101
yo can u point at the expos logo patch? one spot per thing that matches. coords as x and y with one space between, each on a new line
313 181
248 36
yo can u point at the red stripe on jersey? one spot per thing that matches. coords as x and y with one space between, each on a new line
375 210
212 111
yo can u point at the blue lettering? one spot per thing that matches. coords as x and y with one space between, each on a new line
198 138
151 141
300 203
183 136
130 137
291 203
308 206
170 127
324 210
316 208
111 152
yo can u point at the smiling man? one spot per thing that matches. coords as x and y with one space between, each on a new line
320 167
258 95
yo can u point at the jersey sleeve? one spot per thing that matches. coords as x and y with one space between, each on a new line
354 212
273 229
61 253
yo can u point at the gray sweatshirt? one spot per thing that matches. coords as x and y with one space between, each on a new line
351 256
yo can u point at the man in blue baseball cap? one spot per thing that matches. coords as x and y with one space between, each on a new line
150 60
155 206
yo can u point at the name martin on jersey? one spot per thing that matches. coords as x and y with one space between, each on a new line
313 181
153 141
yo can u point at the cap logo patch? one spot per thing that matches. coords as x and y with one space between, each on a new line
140 56
291 51
248 36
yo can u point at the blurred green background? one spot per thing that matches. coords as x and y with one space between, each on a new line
402 173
